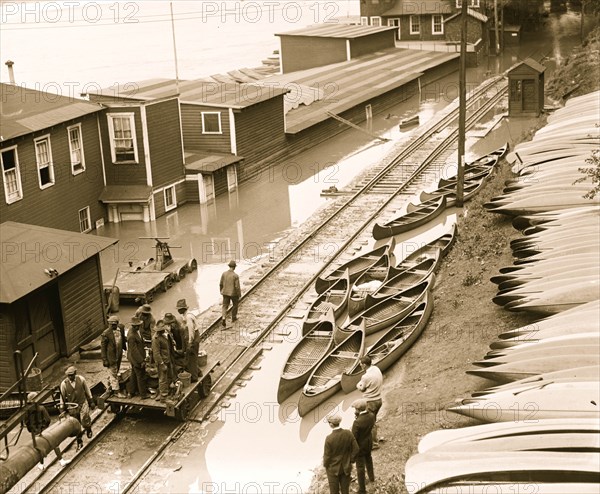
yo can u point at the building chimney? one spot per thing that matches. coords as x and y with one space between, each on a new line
11 74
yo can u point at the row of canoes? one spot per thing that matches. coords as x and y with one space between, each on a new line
434 202
542 411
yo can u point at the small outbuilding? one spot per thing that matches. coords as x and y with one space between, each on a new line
51 295
526 88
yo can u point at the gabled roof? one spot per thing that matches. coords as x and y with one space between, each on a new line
473 13
28 250
421 7
210 93
24 110
530 62
331 30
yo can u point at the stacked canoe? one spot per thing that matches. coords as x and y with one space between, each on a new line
542 408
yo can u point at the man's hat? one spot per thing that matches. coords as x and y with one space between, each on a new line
232 264
334 419
360 405
160 326
182 304
114 319
136 321
169 318
31 396
71 370
145 309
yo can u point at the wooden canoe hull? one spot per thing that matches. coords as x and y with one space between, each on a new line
336 298
418 215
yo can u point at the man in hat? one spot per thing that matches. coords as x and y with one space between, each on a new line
180 342
38 419
112 345
362 428
339 453
231 291
148 322
189 323
370 386
161 350
75 390
136 354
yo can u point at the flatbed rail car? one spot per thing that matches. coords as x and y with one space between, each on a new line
178 409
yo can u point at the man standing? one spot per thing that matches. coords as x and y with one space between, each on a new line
161 349
180 340
136 354
148 323
112 345
370 387
231 291
74 389
339 453
362 429
188 322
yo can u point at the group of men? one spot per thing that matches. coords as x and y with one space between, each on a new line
344 447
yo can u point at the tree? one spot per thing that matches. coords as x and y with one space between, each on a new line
592 172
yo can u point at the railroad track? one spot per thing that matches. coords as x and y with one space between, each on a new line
288 275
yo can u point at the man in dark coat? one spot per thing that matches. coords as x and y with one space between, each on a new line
231 291
339 453
362 429
148 323
136 354
180 340
161 350
112 345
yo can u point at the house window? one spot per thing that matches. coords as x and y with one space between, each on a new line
43 157
395 22
76 149
375 21
437 24
11 176
123 147
211 123
472 3
170 198
85 223
364 21
415 24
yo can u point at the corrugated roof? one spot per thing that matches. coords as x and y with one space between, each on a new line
422 7
24 110
337 31
28 250
202 161
125 193
473 13
211 93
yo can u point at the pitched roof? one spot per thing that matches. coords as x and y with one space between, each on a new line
530 62
422 7
24 110
125 193
28 250
473 13
333 30
207 162
210 93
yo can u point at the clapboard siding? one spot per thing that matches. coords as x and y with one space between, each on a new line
192 193
7 345
166 154
193 138
82 302
124 173
58 205
260 131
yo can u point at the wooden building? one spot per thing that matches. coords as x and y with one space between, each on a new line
324 44
225 127
51 297
526 88
51 160
477 34
143 157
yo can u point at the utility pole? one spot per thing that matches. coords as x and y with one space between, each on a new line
496 30
174 49
462 107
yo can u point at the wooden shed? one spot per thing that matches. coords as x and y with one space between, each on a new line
526 88
51 297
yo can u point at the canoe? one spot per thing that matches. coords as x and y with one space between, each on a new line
511 487
541 401
393 343
365 283
532 353
533 334
486 162
434 469
325 380
436 248
358 265
495 430
335 298
399 278
416 215
587 338
307 353
470 188
384 313
527 368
